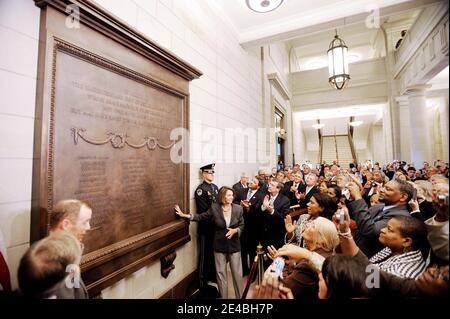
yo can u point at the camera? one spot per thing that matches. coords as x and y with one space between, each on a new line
278 266
442 198
340 215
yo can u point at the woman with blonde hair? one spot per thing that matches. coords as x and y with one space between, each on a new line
321 238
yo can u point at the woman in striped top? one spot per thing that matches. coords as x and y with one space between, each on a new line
405 239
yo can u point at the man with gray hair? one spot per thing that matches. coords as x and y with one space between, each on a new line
240 187
306 190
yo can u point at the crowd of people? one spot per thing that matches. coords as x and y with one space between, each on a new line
335 227
362 231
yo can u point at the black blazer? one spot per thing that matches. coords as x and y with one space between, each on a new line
370 221
221 244
252 215
274 229
239 190
305 200
287 192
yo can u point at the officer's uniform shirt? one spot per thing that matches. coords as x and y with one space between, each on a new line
205 195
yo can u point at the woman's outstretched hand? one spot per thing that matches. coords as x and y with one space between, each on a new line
272 252
180 213
290 227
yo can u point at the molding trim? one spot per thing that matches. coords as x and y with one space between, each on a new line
329 89
417 34
92 14
422 58
276 82
311 21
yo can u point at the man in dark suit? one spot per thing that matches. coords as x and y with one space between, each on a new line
240 187
205 195
251 202
374 186
292 187
275 207
307 190
395 195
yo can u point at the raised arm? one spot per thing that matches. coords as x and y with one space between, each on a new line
360 212
342 221
198 217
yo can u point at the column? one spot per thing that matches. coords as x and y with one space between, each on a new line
396 132
418 125
402 131
387 135
443 110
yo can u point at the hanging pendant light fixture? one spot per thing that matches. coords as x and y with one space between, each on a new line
338 63
263 6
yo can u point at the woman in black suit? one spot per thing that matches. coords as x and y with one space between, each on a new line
229 224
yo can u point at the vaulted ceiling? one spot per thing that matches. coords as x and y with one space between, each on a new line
306 29
300 17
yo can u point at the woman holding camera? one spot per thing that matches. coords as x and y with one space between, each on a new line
301 276
229 224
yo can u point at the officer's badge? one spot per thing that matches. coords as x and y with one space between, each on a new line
199 192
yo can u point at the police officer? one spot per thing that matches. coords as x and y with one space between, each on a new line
206 194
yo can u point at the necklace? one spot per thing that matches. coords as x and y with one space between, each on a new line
226 209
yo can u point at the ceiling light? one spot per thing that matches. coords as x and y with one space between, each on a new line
318 126
338 63
262 6
356 123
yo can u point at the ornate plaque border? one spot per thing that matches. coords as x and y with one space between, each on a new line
102 267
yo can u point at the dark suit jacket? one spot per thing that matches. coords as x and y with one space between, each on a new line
308 196
221 244
273 226
253 220
370 222
239 190
287 192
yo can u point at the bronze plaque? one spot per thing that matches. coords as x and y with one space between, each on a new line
112 148
103 136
